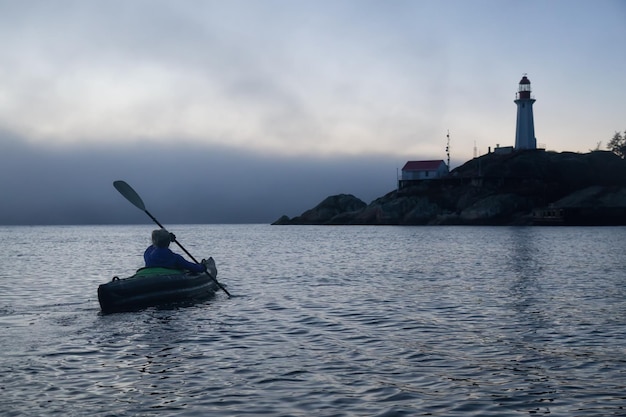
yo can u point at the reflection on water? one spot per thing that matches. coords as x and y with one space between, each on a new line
328 321
526 295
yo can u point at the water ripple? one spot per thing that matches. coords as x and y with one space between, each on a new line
326 322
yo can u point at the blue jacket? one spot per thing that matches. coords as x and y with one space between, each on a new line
165 258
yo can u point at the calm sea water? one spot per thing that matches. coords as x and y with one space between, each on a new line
325 321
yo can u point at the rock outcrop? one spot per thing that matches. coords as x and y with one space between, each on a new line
492 190
327 210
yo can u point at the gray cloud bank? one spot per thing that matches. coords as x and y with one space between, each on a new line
179 183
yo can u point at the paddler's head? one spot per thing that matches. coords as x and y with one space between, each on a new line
161 238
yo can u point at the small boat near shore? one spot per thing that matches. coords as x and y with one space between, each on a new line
580 216
156 286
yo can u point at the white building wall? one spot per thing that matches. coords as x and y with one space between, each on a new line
425 175
416 175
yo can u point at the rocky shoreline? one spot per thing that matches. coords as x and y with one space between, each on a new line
519 188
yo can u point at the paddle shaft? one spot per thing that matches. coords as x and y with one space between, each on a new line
132 196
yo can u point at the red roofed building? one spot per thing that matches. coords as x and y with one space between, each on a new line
422 170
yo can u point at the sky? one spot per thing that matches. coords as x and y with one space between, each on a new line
241 111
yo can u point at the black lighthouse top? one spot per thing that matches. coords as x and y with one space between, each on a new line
524 88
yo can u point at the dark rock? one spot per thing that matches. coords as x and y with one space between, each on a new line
282 220
595 196
324 212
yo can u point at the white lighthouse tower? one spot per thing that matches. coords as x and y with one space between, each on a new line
525 131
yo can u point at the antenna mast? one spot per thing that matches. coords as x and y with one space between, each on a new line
448 149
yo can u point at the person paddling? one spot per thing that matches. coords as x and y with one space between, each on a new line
160 255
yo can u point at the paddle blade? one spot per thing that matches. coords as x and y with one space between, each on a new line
211 269
130 194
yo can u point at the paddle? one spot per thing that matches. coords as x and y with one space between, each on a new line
132 196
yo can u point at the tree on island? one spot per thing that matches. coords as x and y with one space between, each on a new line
617 145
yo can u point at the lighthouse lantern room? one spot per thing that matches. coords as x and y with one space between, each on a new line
525 131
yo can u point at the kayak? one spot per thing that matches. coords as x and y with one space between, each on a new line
156 287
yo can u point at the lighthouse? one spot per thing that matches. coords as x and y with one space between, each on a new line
525 130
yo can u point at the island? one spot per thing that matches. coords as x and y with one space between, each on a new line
525 187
